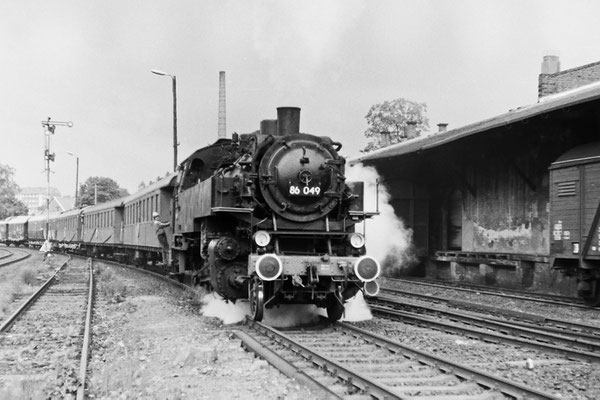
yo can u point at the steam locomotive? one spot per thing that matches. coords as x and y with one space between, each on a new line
266 216
269 216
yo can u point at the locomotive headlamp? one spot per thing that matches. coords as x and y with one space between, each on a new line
262 238
357 240
371 288
367 268
269 267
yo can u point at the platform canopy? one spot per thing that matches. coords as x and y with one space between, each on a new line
546 105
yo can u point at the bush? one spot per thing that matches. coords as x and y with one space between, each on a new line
109 286
28 276
113 289
8 294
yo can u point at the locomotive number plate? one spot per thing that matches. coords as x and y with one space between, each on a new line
305 190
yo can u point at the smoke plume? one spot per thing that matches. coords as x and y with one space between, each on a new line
387 239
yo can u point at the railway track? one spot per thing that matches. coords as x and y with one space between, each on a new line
342 361
11 255
44 344
582 343
542 298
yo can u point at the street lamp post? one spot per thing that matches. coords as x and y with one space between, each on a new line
175 144
76 177
49 128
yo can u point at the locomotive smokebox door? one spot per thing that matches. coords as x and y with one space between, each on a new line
301 177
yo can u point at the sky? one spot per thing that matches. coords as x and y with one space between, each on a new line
89 62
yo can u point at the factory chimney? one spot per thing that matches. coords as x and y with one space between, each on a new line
222 131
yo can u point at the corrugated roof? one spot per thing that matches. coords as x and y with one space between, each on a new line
577 96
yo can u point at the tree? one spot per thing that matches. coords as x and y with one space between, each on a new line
9 205
104 189
393 117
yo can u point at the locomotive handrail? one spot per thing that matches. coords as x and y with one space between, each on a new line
232 210
307 233
367 214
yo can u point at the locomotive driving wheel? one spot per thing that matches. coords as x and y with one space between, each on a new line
335 306
257 299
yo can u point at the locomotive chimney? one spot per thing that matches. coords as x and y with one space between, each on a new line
288 121
222 129
268 127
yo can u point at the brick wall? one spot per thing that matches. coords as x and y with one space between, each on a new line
569 79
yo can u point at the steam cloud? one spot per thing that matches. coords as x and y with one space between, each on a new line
284 316
387 239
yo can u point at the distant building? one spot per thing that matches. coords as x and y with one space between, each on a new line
552 80
60 204
35 197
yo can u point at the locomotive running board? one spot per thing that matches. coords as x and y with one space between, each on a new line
232 210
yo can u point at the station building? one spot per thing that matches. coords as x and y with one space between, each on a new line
477 198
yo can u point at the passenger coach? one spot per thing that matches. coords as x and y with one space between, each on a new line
139 236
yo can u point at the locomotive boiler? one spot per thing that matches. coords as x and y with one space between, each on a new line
269 217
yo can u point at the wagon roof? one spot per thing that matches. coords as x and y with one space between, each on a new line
167 181
107 205
19 219
70 213
586 153
42 217
545 105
